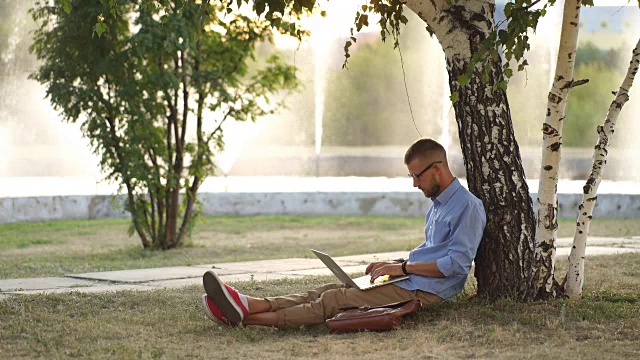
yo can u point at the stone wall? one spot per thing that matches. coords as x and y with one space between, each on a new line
48 208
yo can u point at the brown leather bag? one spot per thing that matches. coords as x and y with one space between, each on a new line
365 318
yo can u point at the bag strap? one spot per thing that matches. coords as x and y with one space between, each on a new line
392 305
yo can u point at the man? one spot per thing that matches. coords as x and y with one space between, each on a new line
437 268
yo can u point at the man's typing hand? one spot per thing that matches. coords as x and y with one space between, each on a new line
373 266
392 269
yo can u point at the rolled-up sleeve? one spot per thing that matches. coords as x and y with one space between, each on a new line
466 233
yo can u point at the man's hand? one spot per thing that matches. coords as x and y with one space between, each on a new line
392 269
373 266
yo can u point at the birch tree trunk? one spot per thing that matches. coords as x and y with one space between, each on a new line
547 222
505 259
575 273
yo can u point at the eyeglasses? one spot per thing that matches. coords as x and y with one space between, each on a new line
417 176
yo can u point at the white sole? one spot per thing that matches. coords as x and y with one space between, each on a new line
217 292
207 311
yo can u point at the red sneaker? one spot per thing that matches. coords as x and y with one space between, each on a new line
225 298
213 312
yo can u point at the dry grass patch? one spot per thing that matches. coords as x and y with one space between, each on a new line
170 324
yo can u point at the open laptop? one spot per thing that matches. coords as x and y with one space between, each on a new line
362 282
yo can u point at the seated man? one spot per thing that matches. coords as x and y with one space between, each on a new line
437 268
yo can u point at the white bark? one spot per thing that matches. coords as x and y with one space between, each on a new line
552 144
575 272
451 33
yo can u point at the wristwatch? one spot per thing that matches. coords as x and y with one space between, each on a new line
404 267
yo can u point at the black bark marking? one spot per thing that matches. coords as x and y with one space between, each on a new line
549 130
592 199
545 247
553 98
555 146
548 168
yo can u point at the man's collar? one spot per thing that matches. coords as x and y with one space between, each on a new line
448 192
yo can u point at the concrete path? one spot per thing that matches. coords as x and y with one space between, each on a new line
179 276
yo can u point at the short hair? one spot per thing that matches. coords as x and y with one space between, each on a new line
423 148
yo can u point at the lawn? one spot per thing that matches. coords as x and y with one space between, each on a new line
63 247
169 324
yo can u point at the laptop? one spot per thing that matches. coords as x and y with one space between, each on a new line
362 282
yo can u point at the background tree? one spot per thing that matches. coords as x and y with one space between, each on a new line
152 93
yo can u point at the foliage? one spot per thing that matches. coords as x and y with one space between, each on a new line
588 104
589 53
374 116
152 93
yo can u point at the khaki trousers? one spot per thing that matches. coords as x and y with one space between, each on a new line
315 306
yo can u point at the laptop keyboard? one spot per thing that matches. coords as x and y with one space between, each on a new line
363 282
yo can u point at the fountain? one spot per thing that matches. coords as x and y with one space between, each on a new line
320 143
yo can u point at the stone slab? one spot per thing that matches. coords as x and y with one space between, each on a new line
325 271
171 284
598 250
270 266
369 258
256 277
9 285
631 242
101 288
143 275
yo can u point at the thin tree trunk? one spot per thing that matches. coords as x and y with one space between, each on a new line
575 273
491 154
146 243
547 224
172 188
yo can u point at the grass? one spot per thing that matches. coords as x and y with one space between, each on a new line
169 324
63 247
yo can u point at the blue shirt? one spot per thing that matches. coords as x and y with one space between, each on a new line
453 230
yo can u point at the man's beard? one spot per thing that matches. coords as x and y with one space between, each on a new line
433 191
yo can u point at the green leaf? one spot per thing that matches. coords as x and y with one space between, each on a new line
463 80
507 9
508 72
100 28
454 97
66 5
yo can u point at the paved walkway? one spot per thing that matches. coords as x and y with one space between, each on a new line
179 276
